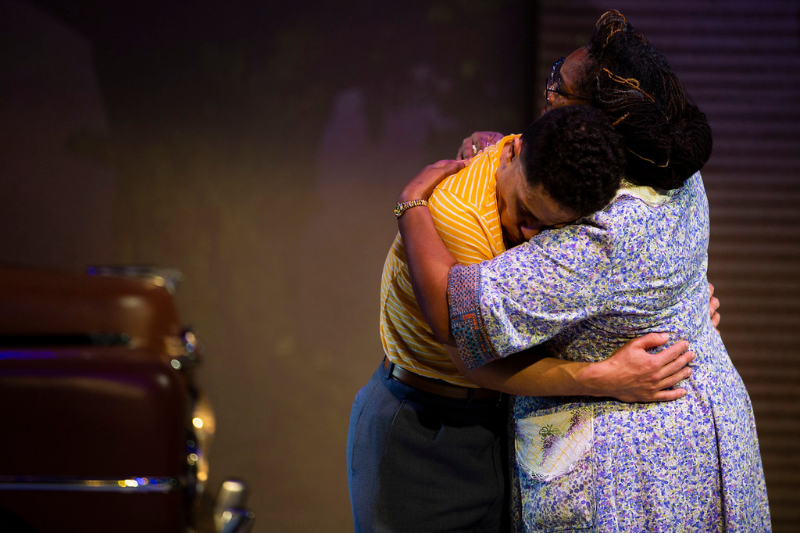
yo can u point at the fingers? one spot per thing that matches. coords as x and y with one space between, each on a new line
713 305
423 184
667 368
664 392
472 145
674 365
671 361
485 139
669 395
710 289
466 151
449 166
665 356
677 374
674 352
651 340
477 142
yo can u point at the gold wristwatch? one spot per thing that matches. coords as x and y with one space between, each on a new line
401 208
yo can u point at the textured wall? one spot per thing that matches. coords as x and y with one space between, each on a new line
739 61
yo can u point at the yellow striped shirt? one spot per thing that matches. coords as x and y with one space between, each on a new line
464 210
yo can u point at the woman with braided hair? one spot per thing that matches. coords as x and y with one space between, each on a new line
637 266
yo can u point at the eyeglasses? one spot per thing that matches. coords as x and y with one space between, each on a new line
554 81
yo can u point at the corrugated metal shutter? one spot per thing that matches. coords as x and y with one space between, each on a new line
740 61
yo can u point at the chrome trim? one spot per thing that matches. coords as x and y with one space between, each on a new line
133 484
184 350
169 278
237 520
64 340
204 426
231 496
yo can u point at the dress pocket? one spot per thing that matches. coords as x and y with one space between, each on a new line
554 467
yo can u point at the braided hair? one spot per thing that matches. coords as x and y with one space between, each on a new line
667 137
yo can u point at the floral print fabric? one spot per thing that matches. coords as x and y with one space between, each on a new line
586 464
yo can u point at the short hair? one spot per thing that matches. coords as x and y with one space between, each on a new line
575 154
667 137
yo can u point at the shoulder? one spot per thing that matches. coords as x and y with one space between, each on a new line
637 219
645 202
470 183
475 183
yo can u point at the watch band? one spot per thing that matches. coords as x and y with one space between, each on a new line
401 208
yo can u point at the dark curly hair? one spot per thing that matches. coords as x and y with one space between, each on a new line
574 152
666 135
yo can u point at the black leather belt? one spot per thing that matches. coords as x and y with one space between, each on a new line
439 387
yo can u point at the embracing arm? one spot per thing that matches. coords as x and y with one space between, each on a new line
428 259
631 374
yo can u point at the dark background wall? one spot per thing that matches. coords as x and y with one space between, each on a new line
259 147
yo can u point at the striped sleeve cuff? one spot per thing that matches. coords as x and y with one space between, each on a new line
463 292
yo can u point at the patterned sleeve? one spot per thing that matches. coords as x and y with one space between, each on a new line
527 295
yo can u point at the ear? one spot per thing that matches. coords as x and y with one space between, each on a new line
516 148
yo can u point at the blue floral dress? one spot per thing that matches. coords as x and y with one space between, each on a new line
587 464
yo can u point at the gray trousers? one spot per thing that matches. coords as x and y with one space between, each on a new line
419 462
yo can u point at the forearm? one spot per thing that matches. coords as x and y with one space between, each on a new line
631 374
531 374
427 257
429 263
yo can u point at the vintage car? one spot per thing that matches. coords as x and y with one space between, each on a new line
103 426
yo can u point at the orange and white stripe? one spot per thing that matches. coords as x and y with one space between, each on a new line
464 210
